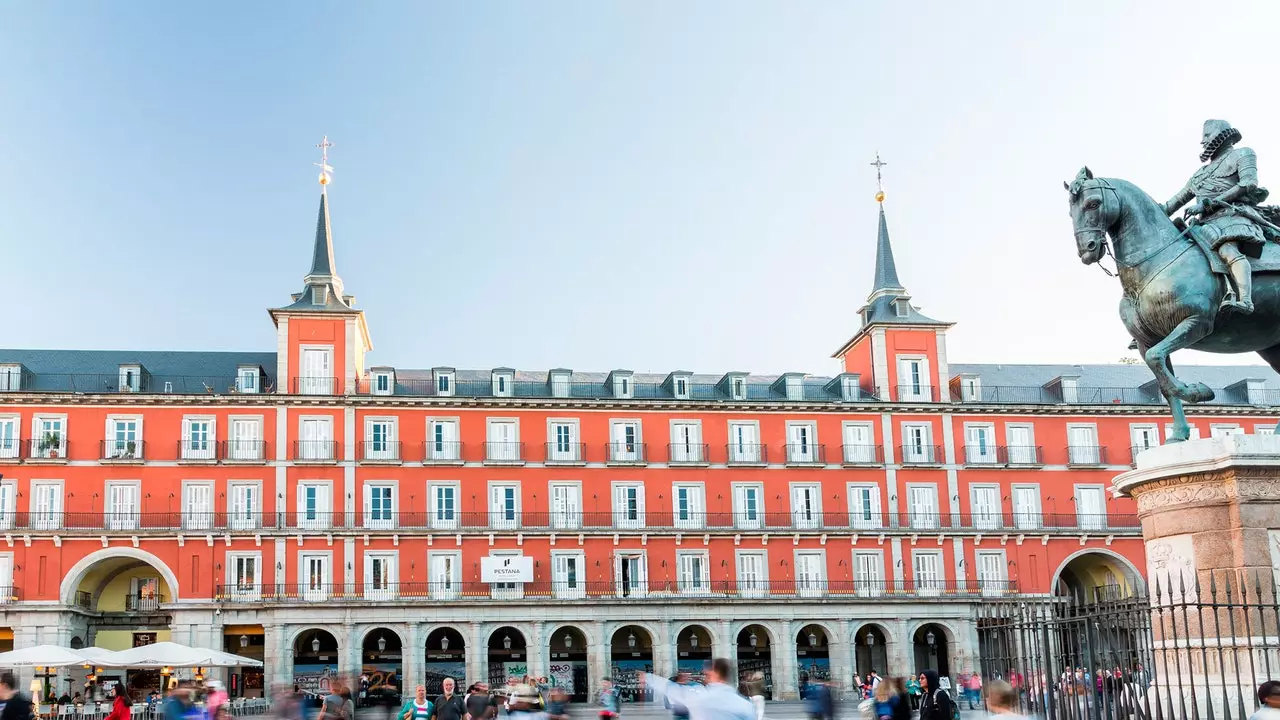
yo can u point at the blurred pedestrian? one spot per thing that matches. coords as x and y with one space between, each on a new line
714 701
1002 700
522 703
610 702
558 706
1268 697
16 706
120 704
935 703
417 707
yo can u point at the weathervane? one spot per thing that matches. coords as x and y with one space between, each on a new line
325 169
879 180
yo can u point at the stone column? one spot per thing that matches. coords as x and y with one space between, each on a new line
784 663
726 645
664 650
477 655
842 657
350 661
1210 514
901 652
412 657
597 656
537 650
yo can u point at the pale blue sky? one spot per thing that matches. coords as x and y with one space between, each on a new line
591 184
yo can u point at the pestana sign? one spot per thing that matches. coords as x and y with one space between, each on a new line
506 569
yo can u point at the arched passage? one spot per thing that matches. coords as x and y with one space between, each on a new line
381 661
1097 575
315 660
630 656
86 574
693 649
755 660
871 650
508 656
569 668
446 656
931 649
813 654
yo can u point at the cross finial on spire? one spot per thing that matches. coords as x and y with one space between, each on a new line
325 169
879 180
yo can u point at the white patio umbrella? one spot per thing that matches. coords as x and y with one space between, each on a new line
43 656
171 654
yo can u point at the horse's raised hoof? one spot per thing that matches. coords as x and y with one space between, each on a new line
1197 392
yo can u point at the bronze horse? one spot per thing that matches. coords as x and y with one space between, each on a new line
1171 292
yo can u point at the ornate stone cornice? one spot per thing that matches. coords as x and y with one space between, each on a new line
1209 488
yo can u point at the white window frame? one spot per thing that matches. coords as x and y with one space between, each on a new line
695 512
806 451
241 449
235 516
49 518
435 521
793 387
569 518
623 387
387 523
809 518
208 453
382 382
923 519
864 584
987 584
641 584
1091 521
1017 453
747 587
561 384
10 377
928 586
742 518
985 518
118 449
324 516
1083 454
444 383
1217 430
810 587
560 588
858 514
249 380
1254 392
700 585
913 391
970 388
922 453
1267 429
738 388
618 452
503 590
37 436
316 449
1026 518
858 453
1136 430
746 453
680 387
986 451
573 454
130 378
205 520
390 440
1070 388
616 491
315 384
444 589
8 503
319 592
502 451
10 440
501 384
389 588
235 591
444 450
687 450
497 518
114 519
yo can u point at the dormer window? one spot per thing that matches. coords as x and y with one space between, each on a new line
623 387
560 384
130 378
10 377
679 384
1255 392
319 295
794 387
383 382
902 308
444 383
247 379
739 389
970 388
682 388
502 380
849 389
1070 389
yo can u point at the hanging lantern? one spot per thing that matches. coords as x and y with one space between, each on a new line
382 643
506 642
929 638
693 640
813 639
244 641
444 642
753 639
315 644
631 639
870 639
568 641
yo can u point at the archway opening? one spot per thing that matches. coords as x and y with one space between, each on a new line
755 660
315 661
381 663
569 667
246 641
508 657
871 650
446 657
1093 577
693 650
931 649
813 654
631 655
124 599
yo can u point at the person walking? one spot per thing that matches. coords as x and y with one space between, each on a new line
558 706
13 704
678 711
610 702
121 704
935 703
714 701
480 704
523 703
913 691
417 707
1002 701
973 689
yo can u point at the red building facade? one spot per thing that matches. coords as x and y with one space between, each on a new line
332 515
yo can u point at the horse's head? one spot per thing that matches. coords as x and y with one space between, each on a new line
1094 209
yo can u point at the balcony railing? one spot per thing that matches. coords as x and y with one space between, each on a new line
13 449
315 451
687 454
566 453
380 451
1086 455
747 453
315 386
915 393
197 451
1002 456
806 454
480 521
504 452
1135 450
142 603
625 453
122 450
913 454
113 383
603 590
862 454
442 452
243 451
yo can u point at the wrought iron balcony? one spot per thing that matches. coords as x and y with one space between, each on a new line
739 453
1003 456
504 453
915 393
913 454
13 449
122 450
197 451
50 448
442 452
566 453
687 454
315 451
806 454
380 451
625 453
1086 455
862 455
315 386
243 451
136 602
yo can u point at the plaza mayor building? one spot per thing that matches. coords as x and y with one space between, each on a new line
335 516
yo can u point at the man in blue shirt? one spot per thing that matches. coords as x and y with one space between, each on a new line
714 701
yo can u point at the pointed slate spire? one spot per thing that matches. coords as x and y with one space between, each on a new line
322 262
886 271
322 290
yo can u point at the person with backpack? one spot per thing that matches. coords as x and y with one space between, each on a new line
935 702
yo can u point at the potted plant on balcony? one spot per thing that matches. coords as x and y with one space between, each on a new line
130 450
51 444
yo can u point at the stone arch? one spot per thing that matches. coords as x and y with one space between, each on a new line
951 636
883 628
71 581
834 638
296 631
525 631
655 637
586 633
1131 572
366 628
712 635
768 626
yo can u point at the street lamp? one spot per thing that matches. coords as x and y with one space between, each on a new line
244 641
870 639
315 644
693 640
631 639
753 639
929 638
444 642
506 642
813 639
382 643
568 641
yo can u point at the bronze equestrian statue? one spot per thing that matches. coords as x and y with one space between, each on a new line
1189 283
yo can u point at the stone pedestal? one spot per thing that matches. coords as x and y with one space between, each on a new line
1210 514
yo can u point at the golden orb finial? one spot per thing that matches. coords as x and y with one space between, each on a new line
880 196
324 178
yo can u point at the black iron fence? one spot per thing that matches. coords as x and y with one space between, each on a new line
1190 648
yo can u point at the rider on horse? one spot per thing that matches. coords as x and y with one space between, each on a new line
1227 196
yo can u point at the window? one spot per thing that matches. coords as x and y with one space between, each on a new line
49 440
1195 432
442 441
504 506
901 308
621 386
316 375
632 574
9 437
686 443
383 383
992 576
566 506
922 506
197 438
121 505
748 505
979 444
381 439
800 443
243 505
913 380
849 389
315 438
1091 507
313 570
1021 441
1269 429
1143 437
926 567
744 443
680 388
1255 392
446 575
1218 431
625 445
985 501
688 503
917 445
970 389
380 579
124 439
568 575
694 576
503 441
130 378
1026 507
10 377
753 576
247 379
560 384
506 590
1070 389
244 582
1082 445
197 505
811 577
8 506
739 389
794 387
502 384
563 446
444 505
444 383
864 506
859 445
628 505
868 573
46 504
245 441
314 505
379 505
806 506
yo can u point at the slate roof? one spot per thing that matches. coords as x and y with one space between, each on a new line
1112 375
324 273
99 370
886 288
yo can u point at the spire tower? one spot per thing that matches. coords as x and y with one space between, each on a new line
323 287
